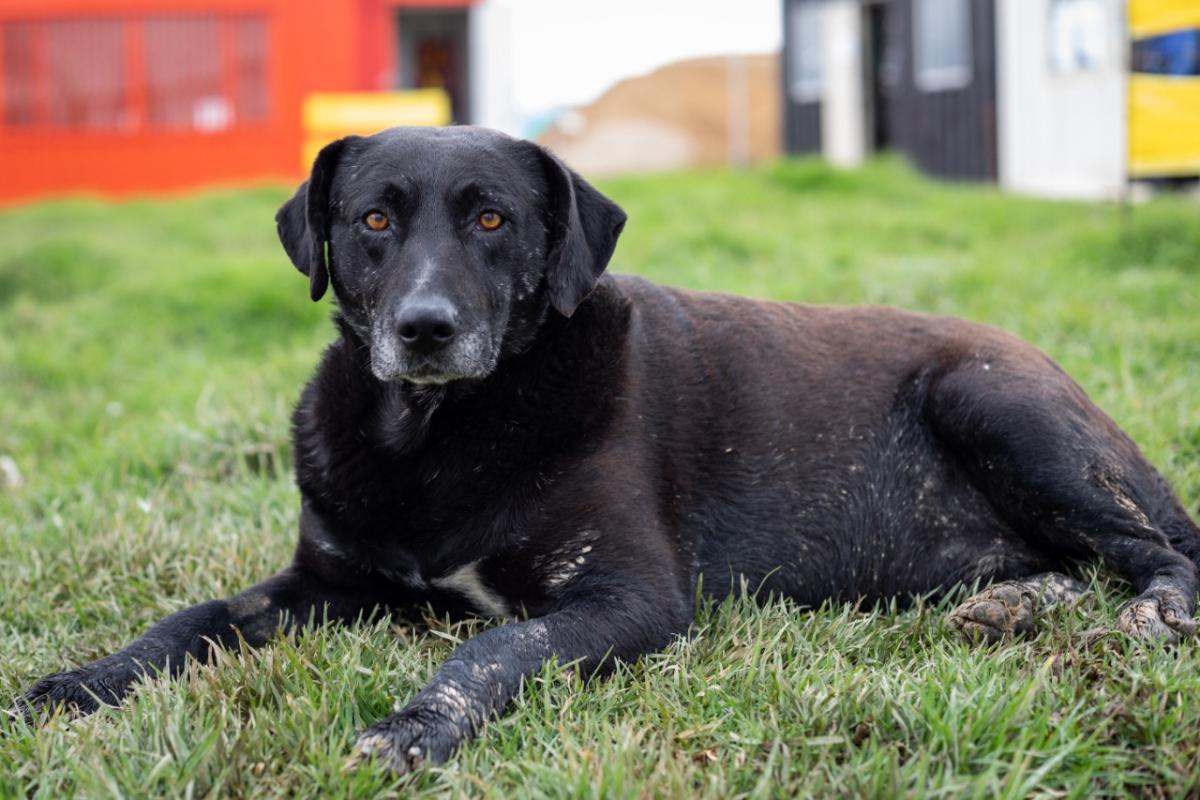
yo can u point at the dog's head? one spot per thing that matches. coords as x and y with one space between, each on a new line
446 247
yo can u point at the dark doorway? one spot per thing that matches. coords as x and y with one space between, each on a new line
431 53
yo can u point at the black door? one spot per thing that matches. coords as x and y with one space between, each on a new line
431 53
937 85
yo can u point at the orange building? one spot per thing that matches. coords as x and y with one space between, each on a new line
121 96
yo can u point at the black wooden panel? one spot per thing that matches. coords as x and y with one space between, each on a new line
949 133
802 127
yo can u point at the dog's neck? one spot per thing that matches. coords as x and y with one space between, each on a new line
564 369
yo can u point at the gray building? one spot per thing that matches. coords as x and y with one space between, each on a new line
1030 94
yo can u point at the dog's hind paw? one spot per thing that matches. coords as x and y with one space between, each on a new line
999 612
1162 616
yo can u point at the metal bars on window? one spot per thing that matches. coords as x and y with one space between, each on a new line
203 73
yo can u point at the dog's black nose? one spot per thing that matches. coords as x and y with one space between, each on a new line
426 327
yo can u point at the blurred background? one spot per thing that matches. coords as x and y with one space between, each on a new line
1072 98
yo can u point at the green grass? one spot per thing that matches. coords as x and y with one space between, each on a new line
149 356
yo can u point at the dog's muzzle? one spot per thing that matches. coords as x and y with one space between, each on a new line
426 343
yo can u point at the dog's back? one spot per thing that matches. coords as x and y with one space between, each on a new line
796 453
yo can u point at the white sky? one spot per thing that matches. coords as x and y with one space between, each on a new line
567 52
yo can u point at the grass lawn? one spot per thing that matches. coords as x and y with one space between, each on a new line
150 353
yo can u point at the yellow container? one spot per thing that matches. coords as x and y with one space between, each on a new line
332 115
1164 110
1164 125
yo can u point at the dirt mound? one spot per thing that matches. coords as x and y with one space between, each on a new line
676 116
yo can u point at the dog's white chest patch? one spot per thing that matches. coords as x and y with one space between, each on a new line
467 582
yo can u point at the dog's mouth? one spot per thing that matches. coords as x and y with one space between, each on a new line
427 375
420 374
471 357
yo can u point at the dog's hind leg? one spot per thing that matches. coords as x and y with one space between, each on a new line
1067 479
1170 516
254 616
1007 609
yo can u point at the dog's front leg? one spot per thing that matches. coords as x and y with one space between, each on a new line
485 673
255 615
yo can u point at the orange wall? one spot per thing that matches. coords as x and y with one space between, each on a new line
312 45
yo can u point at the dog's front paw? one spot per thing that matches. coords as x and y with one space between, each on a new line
1163 615
404 742
74 692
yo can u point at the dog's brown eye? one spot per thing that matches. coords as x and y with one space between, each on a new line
376 220
490 220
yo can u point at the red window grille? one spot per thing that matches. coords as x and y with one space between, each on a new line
202 73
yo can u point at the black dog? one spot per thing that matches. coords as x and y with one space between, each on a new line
501 431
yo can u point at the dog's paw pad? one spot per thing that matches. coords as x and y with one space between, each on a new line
996 614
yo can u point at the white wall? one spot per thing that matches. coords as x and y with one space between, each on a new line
843 109
566 53
1061 134
490 34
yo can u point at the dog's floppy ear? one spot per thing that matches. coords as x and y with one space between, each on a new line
584 226
303 221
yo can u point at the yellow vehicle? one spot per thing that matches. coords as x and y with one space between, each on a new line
1164 88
